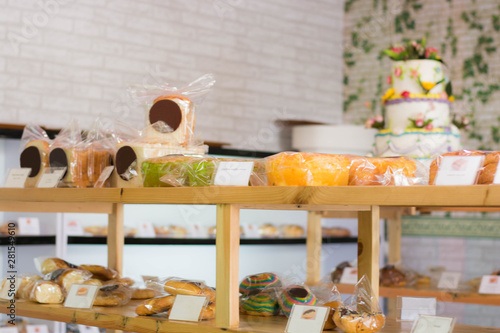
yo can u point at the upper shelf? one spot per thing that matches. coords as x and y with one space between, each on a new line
296 197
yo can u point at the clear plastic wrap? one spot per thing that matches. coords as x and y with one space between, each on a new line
179 286
399 171
155 305
51 264
35 146
295 294
67 277
100 272
360 313
256 283
436 163
263 304
307 169
26 285
396 276
113 295
170 111
46 292
102 148
143 293
489 169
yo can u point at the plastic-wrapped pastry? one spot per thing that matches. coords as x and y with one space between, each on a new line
124 281
256 283
263 304
436 163
178 286
490 164
143 293
333 305
101 272
268 231
113 295
295 294
51 264
155 305
24 290
35 154
292 231
383 171
390 276
67 277
46 292
162 230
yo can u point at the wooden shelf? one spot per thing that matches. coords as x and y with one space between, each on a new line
124 318
440 295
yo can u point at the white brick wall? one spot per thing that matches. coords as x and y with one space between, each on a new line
76 59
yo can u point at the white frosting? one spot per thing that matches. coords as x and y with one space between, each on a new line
405 75
399 111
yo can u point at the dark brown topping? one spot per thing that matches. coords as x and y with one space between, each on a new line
298 292
31 158
167 111
58 159
55 274
124 160
109 288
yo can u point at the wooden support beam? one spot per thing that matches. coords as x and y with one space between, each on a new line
115 238
313 242
369 246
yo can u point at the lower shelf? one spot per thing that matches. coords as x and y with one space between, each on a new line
440 295
124 318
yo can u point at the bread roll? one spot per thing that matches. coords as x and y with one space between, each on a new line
67 277
155 305
349 321
185 287
113 295
51 264
143 293
487 174
101 272
330 324
46 292
381 171
26 285
292 231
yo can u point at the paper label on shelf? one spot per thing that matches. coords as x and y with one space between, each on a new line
233 173
28 226
104 176
88 329
433 324
490 284
9 287
11 329
412 307
197 231
73 228
145 229
17 177
449 280
187 308
305 318
51 177
37 329
251 231
81 296
458 170
349 275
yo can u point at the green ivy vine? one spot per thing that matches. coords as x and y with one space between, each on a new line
404 19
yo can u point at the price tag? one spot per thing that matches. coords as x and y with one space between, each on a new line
490 284
11 329
412 307
449 280
73 228
187 308
81 296
305 318
197 231
233 173
251 231
349 275
458 170
28 226
9 287
88 329
433 324
17 177
51 177
37 329
145 229
151 278
104 176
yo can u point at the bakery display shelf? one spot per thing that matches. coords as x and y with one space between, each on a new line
440 295
87 240
124 318
29 240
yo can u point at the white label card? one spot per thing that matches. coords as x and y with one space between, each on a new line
9 288
81 296
104 176
17 177
28 226
349 275
88 329
412 307
10 329
251 231
197 231
433 324
233 173
145 229
187 308
73 228
490 284
305 318
458 170
51 177
449 280
37 329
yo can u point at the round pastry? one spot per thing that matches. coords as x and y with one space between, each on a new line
185 287
46 292
330 324
67 277
390 276
380 170
162 230
336 232
262 304
101 272
143 293
254 284
268 230
339 270
178 232
292 231
295 294
51 264
96 230
487 174
155 305
112 295
350 321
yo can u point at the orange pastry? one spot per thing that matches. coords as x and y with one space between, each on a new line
380 170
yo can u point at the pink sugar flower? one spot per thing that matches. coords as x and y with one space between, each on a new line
430 51
398 71
389 79
379 118
429 127
419 122
405 94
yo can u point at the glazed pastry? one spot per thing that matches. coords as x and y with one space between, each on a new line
113 295
143 293
67 277
185 287
390 276
262 304
178 232
162 230
155 305
51 264
295 294
268 230
350 321
339 270
46 292
330 324
292 231
254 284
101 272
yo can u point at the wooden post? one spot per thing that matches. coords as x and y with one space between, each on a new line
228 248
116 238
313 241
394 256
369 246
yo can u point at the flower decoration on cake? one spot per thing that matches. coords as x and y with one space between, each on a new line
461 122
376 122
413 49
421 122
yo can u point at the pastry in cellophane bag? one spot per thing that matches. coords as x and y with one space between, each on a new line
67 277
101 272
435 165
256 283
26 285
113 295
51 264
46 292
101 149
361 313
179 286
35 145
295 294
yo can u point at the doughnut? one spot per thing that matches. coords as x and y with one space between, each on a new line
350 321
51 264
262 304
295 294
253 284
101 272
155 305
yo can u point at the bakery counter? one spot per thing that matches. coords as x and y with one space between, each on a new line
124 318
